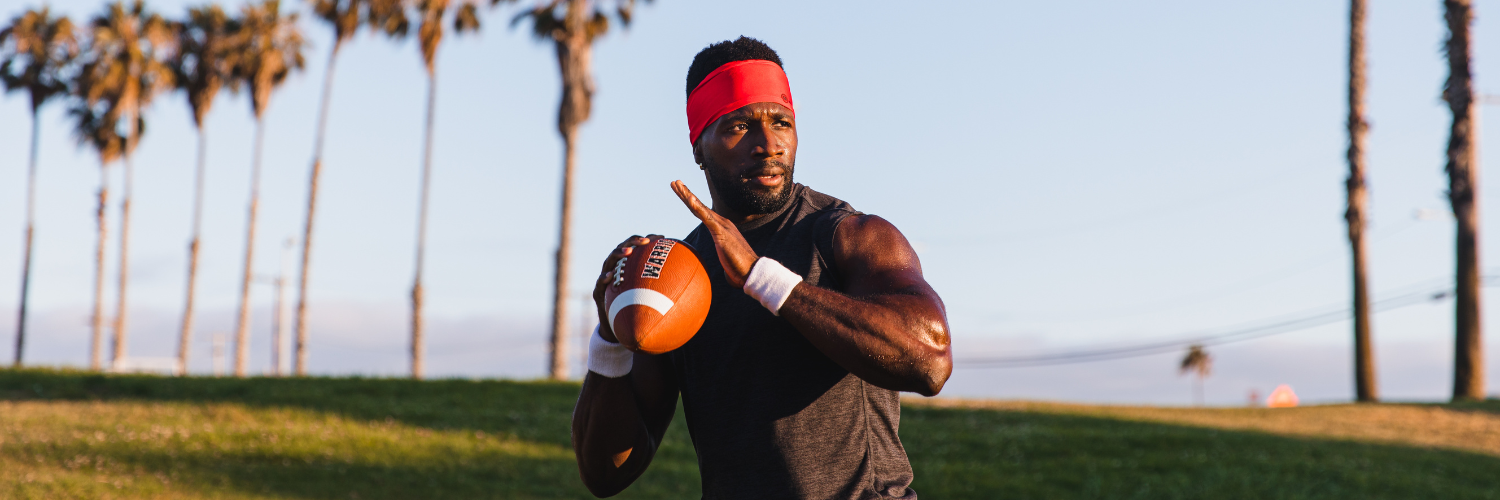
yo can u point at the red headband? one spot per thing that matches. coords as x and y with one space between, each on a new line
733 86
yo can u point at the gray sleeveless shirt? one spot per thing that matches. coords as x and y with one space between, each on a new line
770 415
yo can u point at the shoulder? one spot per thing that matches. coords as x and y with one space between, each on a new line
861 230
869 243
817 201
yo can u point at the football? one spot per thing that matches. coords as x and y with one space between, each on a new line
659 297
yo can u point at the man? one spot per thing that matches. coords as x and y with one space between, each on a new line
820 315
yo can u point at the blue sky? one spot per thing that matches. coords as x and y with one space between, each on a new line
1072 174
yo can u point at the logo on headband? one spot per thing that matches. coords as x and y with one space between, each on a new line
785 100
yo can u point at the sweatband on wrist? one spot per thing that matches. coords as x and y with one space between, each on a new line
732 86
771 283
608 358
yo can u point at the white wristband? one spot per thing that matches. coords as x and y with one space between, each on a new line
771 283
608 358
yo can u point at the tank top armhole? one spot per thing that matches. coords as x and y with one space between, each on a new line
826 235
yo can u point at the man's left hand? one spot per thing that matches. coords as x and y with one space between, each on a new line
735 253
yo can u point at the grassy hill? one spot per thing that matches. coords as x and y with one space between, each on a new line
81 435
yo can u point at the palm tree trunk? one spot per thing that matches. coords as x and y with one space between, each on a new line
1364 362
312 205
417 325
559 364
96 355
30 228
242 332
185 340
1463 181
120 301
573 54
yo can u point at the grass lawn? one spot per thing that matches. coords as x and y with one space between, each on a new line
80 435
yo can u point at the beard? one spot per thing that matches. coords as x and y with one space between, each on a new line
747 198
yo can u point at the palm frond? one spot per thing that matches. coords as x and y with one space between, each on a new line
205 57
388 16
93 128
547 20
270 47
1196 361
344 15
466 19
127 63
37 53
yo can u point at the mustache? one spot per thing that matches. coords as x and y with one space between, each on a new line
768 167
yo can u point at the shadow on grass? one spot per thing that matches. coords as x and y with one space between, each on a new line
496 474
534 411
982 453
537 412
1487 406
956 453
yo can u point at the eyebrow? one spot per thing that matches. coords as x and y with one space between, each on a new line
747 115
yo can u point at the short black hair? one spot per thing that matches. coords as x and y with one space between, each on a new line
740 49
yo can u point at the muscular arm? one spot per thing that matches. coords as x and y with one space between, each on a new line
618 422
889 329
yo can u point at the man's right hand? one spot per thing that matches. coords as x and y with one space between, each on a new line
607 275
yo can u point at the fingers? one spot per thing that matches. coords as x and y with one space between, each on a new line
634 241
624 249
607 275
688 198
605 331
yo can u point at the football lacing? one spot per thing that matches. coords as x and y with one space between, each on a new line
620 270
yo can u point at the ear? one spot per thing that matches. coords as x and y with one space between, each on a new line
698 152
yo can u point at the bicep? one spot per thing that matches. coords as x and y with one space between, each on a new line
881 267
876 259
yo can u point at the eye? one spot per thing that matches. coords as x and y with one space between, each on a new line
739 127
783 123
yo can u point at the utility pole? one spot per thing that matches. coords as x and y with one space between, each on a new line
218 354
1463 186
1364 357
278 337
279 315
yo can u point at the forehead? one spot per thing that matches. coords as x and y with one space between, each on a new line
759 110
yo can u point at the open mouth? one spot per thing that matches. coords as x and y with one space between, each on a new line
766 177
772 180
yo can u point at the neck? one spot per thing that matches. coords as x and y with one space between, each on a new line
740 219
733 216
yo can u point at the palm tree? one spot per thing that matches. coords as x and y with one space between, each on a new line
96 128
1364 361
270 48
202 66
36 51
571 26
1198 362
1463 181
345 17
430 36
126 69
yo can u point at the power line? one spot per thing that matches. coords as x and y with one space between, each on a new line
1201 296
1129 215
1268 328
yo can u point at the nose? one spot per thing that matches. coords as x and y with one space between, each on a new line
767 144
